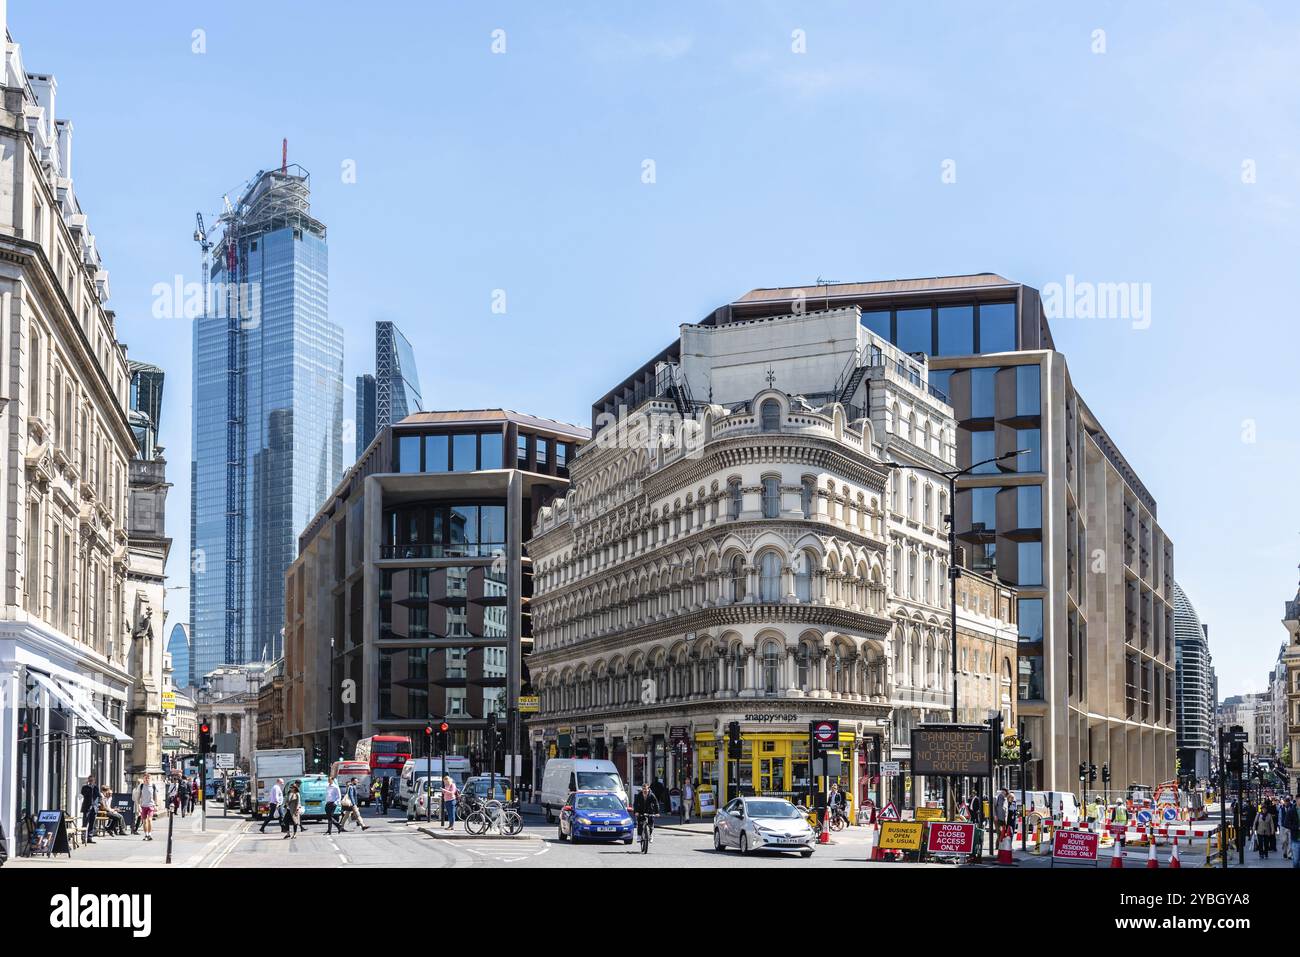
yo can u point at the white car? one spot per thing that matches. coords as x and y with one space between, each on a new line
415 807
763 823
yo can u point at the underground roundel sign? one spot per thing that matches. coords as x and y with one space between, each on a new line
825 732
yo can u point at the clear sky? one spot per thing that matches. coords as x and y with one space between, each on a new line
1172 158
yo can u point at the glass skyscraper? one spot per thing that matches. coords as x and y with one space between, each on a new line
268 411
393 392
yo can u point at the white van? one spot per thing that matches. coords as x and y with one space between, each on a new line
1061 805
454 765
563 776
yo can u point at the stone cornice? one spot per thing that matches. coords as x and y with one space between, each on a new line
712 707
713 620
767 448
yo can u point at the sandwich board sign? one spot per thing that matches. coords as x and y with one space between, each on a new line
901 836
1074 847
951 838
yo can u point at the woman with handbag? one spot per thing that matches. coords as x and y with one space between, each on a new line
292 811
351 798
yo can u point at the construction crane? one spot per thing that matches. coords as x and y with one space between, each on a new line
205 245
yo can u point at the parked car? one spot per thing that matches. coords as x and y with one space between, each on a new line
597 816
761 824
416 808
479 787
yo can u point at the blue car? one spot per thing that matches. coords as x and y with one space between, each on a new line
596 816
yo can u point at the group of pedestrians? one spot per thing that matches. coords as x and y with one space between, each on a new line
1268 821
342 804
145 802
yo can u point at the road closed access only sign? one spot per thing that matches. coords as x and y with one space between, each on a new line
951 838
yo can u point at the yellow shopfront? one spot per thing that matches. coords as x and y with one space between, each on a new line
772 763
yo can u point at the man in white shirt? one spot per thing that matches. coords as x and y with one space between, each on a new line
146 801
333 795
277 804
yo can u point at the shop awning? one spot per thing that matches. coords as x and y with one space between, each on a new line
84 712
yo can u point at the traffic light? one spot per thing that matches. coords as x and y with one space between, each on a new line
316 756
1092 774
1105 773
733 741
205 736
1083 771
1026 751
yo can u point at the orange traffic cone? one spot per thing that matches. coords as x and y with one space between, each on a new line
1152 863
1173 861
1117 860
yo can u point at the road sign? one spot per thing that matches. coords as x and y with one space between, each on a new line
889 813
225 761
951 750
1144 816
825 736
929 814
1075 847
171 742
529 704
901 835
1239 736
1169 812
889 768
677 732
950 838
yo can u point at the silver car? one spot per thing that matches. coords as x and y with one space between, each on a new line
763 823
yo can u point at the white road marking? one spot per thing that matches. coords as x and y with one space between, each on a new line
231 842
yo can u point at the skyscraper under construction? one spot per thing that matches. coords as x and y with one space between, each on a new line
268 410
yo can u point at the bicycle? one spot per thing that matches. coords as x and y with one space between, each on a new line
839 819
645 830
488 815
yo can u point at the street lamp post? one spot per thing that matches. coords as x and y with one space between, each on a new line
954 570
329 745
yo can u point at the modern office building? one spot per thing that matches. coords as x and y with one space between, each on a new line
268 415
1193 690
1092 568
178 646
148 546
66 681
393 392
412 583
745 557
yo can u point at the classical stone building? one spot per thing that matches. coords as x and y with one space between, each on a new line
66 649
1291 621
744 558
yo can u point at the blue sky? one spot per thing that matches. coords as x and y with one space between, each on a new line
522 171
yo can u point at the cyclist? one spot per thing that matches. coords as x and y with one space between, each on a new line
836 806
645 807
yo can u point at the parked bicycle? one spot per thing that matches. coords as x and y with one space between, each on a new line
485 816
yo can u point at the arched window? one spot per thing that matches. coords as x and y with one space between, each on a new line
771 667
771 414
733 498
806 497
769 577
771 497
803 565
738 668
801 667
737 579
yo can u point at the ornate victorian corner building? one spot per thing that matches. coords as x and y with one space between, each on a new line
729 560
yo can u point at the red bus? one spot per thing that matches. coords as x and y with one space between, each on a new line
385 754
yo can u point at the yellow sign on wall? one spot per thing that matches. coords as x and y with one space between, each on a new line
169 700
901 835
529 704
929 814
